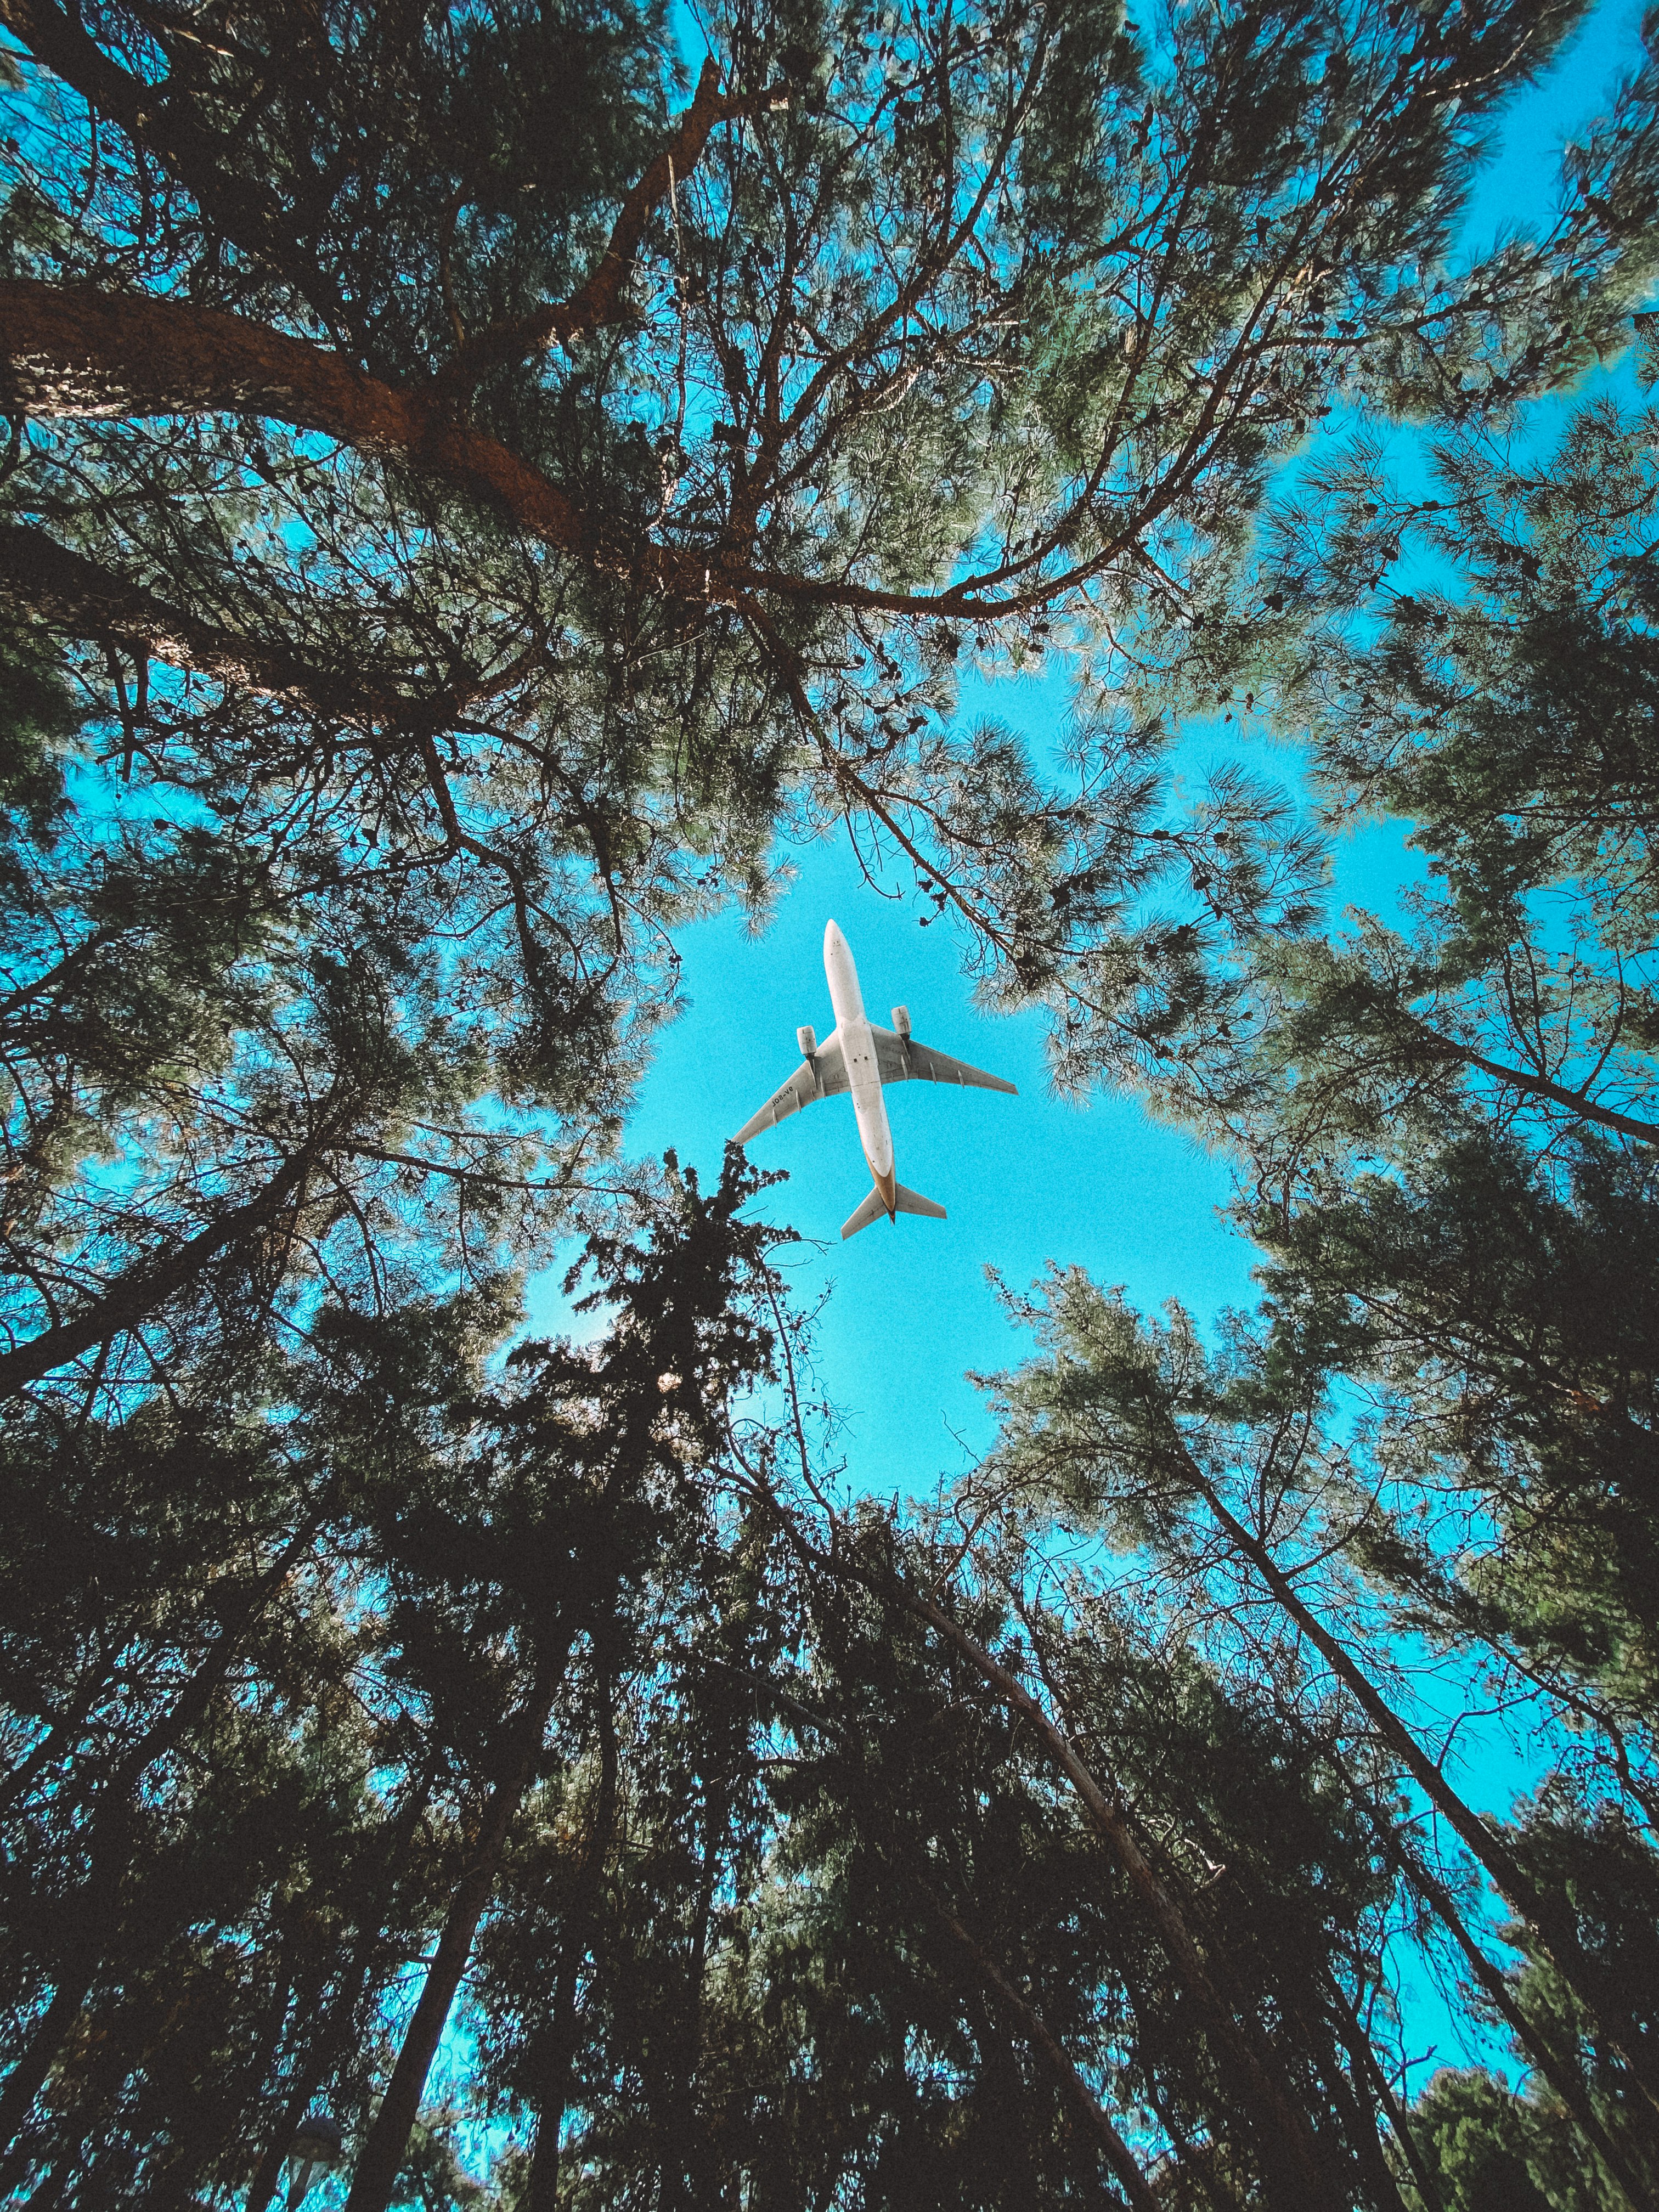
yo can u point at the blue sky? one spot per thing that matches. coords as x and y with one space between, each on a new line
1025 1180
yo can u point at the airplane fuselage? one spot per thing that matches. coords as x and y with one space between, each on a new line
863 1075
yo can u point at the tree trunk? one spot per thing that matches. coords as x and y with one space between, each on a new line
555 2093
1086 2107
324 2049
1304 2176
1366 2064
1563 2078
70 353
382 2155
108 1841
1490 1852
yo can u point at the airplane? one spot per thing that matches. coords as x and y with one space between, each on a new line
858 1055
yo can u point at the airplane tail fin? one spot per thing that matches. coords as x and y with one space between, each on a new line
910 1201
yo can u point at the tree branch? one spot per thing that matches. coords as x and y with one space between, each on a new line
83 599
598 301
203 162
133 1296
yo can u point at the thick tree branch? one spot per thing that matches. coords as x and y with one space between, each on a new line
74 353
1539 1086
132 1297
599 300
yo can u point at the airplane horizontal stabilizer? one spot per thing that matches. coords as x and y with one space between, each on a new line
907 1202
871 1209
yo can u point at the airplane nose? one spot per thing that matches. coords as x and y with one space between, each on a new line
832 935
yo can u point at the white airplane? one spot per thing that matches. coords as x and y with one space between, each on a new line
858 1055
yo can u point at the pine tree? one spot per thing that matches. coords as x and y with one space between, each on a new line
1225 1475
275 1733
1506 716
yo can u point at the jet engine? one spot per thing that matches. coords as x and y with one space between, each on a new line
901 1020
807 1038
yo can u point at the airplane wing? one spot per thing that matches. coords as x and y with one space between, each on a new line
901 1060
821 1076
